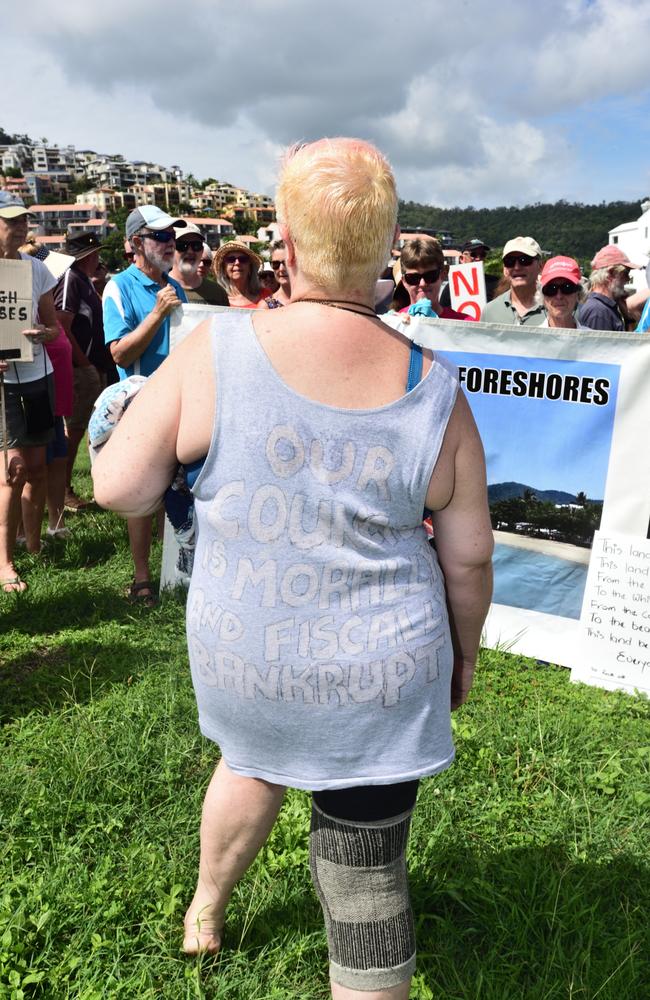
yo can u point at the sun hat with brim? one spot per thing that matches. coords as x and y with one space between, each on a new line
11 205
150 216
233 247
82 244
523 244
560 267
611 256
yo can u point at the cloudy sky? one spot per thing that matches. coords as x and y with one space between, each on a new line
475 103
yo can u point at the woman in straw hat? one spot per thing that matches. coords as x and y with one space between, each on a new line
327 647
235 267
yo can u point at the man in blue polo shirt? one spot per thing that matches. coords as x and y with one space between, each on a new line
138 304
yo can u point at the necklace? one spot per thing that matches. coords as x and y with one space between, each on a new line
344 304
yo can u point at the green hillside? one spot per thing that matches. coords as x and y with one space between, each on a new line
565 227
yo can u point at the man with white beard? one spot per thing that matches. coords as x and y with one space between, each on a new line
609 275
138 303
187 261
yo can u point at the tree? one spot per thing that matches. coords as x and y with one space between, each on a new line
581 499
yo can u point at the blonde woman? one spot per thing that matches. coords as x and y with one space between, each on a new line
328 641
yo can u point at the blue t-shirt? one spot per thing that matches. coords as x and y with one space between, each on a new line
129 297
644 322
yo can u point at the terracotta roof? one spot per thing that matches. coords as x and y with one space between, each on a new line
199 221
61 208
50 239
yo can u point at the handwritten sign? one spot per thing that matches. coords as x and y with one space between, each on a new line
467 288
15 309
615 620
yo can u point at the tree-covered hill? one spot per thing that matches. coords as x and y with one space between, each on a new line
565 227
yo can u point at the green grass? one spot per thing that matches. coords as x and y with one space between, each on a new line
529 857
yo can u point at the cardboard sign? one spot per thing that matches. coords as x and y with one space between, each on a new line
615 620
467 288
15 309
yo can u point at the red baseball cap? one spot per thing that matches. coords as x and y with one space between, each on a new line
611 256
561 267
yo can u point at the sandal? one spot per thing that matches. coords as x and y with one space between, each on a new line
136 593
15 584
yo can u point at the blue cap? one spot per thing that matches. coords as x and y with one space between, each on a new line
150 216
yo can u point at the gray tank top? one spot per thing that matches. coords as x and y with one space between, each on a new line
316 617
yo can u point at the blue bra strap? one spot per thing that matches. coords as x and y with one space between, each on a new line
415 367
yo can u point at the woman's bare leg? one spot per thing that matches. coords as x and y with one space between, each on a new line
56 473
10 490
33 498
238 815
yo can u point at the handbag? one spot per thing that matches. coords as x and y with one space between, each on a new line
37 408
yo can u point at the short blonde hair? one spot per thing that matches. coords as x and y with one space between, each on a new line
338 200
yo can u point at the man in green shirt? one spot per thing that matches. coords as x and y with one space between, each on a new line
522 304
187 258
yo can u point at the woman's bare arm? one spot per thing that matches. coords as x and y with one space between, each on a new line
169 421
464 543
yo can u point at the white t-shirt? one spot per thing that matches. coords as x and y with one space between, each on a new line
29 371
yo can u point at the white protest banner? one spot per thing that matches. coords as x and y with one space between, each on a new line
467 288
563 415
15 309
615 620
183 320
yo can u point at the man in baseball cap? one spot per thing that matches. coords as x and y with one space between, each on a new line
520 305
138 303
471 251
603 309
187 260
11 205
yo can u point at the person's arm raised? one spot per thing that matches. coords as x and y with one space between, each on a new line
464 543
169 421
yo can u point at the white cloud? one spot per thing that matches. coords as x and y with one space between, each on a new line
463 97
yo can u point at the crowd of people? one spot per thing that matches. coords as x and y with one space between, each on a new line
328 639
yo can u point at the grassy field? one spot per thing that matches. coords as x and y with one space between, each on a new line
529 858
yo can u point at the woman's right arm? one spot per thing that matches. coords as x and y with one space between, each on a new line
464 543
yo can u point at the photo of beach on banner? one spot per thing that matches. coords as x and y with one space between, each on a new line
547 427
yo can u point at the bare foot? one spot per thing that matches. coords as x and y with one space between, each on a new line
203 927
10 582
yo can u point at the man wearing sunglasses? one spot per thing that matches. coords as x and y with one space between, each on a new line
521 304
609 275
138 303
187 261
471 251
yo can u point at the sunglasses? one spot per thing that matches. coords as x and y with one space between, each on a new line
159 236
415 277
512 259
566 287
239 258
476 254
275 264
206 261
195 245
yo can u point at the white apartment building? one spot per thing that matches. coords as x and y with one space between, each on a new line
634 240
